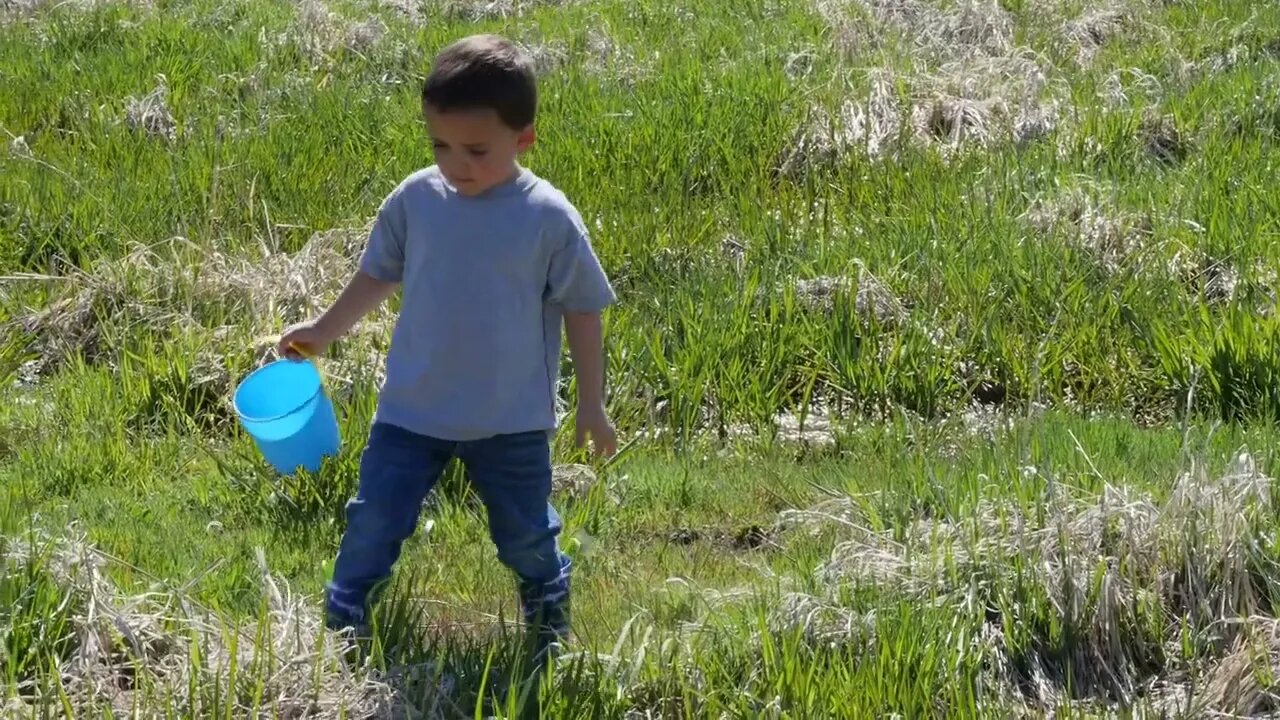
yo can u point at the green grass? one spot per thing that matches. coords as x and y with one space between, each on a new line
1109 285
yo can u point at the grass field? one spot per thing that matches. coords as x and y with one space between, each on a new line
945 356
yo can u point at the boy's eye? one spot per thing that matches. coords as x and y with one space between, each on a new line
478 153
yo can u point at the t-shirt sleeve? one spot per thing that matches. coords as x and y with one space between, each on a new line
575 280
383 256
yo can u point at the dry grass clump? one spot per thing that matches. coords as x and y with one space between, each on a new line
179 287
968 28
873 299
19 148
1241 685
10 9
733 249
547 57
573 481
1121 573
900 12
13 10
1117 92
798 65
1217 280
1034 121
953 120
606 58
816 429
262 294
1221 281
1002 98
601 48
156 654
320 33
481 10
361 37
985 421
964 29
1090 32
411 10
1225 61
1118 241
975 101
150 113
276 285
870 126
821 622
1243 45
73 325
1017 77
971 85
1163 139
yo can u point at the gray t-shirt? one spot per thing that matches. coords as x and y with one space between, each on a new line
486 280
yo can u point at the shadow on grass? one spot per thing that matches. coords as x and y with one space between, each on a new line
447 667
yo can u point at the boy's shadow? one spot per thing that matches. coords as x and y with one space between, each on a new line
436 667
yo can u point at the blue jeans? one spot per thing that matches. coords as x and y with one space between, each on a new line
511 473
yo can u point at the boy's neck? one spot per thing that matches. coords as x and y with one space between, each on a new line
512 174
510 177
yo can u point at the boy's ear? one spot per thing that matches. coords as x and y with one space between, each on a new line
526 138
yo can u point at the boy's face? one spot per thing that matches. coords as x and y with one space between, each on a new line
474 149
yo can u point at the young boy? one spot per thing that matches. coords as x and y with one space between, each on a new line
491 259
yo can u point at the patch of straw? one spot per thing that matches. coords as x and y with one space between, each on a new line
1241 684
320 33
18 147
1090 32
179 287
1101 564
150 113
974 101
1118 241
411 10
1117 91
481 10
872 298
868 126
14 10
158 652
966 28
1163 139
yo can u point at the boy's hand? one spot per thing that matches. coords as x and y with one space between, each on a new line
594 421
362 294
308 336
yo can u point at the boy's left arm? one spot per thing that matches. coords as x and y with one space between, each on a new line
586 347
577 283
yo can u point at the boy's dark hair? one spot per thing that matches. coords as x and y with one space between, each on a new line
484 71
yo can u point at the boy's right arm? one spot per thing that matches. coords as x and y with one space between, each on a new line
362 294
380 272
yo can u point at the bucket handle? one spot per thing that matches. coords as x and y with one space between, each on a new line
307 355
302 350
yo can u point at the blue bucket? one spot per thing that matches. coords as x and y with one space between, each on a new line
284 408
